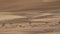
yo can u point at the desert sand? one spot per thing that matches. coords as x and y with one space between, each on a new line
29 16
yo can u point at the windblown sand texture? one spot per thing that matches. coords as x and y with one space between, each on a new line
29 16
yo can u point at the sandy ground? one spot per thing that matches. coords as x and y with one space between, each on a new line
29 16
22 5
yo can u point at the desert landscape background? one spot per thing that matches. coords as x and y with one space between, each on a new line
29 16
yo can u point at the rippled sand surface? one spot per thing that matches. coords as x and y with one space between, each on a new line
29 16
